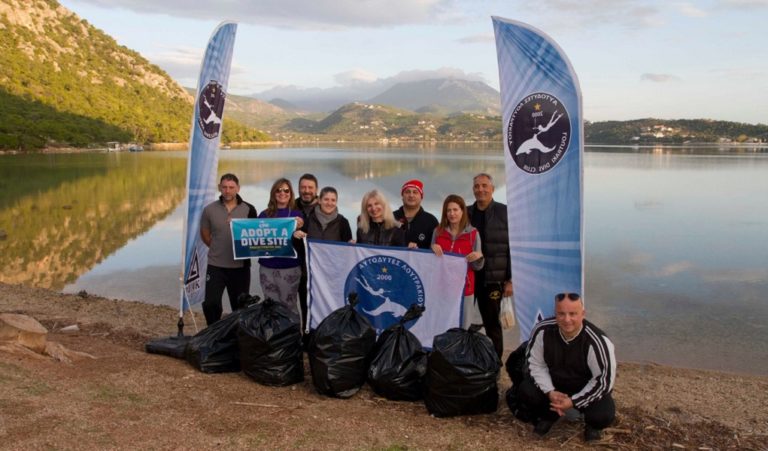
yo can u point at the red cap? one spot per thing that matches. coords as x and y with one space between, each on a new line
413 184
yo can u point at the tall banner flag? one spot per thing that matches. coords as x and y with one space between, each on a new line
204 158
387 280
543 149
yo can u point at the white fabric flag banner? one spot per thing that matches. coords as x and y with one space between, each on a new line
387 280
205 136
542 119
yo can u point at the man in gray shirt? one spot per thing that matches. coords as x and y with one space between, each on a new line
223 270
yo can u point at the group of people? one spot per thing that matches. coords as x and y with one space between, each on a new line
570 362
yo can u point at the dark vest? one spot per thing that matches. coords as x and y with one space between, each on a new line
567 362
495 242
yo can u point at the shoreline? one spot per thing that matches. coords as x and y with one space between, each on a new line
199 318
659 407
160 147
166 310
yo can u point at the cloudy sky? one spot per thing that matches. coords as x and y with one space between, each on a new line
634 58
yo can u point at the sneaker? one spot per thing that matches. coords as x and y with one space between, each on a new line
591 434
542 427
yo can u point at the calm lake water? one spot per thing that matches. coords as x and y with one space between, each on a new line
676 238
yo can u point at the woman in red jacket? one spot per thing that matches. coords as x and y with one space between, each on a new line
456 235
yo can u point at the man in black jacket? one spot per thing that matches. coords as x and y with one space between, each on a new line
417 224
494 281
305 202
571 364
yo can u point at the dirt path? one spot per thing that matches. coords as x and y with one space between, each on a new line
125 398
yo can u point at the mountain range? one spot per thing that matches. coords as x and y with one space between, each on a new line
434 95
64 82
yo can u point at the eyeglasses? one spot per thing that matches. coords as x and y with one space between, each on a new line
283 190
571 296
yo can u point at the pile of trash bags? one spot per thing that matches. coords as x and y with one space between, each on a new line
264 340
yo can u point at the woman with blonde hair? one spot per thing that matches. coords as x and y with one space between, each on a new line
377 224
455 234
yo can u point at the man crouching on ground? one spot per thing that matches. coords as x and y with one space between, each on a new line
571 365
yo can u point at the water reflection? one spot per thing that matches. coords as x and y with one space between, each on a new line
65 222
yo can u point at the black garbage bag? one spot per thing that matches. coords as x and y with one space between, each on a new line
339 351
214 349
516 364
461 374
170 346
516 367
399 362
270 344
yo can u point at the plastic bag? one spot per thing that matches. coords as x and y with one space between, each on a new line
515 366
399 364
507 313
214 349
270 344
461 374
171 346
339 351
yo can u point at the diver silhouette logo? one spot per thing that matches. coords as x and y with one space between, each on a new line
386 287
533 143
538 133
211 109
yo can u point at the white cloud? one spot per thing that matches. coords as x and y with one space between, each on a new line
354 77
691 10
584 14
443 72
477 39
310 14
745 74
659 78
744 4
183 65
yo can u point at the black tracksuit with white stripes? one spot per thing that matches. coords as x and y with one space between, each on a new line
583 368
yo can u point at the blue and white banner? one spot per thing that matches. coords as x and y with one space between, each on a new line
203 161
263 238
543 148
387 280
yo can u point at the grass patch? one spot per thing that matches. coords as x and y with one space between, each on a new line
37 388
9 372
114 395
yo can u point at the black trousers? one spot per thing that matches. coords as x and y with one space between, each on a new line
236 280
599 415
488 297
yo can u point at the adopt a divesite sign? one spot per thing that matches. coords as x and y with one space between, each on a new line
263 238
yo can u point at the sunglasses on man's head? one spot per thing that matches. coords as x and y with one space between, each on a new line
282 190
571 296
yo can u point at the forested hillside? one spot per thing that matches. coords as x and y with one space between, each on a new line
65 83
679 131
